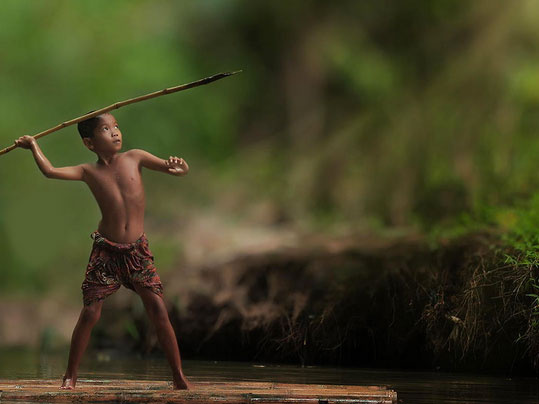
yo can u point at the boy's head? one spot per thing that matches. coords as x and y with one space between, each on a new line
86 128
101 133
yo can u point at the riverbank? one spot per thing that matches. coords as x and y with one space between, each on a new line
397 302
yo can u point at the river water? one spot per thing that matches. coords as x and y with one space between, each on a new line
411 386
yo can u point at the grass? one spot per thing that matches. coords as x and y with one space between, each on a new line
499 296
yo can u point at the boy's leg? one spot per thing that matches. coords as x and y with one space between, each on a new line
79 341
157 312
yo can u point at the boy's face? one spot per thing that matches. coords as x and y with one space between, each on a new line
107 136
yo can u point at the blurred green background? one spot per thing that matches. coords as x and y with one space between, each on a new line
349 116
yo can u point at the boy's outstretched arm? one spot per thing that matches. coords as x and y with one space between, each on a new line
62 173
174 165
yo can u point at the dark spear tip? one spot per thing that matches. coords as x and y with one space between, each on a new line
215 77
226 74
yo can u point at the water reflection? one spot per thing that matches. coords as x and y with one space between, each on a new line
411 386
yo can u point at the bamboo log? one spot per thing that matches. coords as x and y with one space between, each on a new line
203 392
120 104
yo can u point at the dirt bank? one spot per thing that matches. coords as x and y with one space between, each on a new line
362 301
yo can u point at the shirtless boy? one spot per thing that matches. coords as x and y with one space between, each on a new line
120 253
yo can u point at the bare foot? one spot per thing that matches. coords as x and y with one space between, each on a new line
68 383
180 382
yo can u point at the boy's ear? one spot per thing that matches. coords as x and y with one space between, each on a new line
88 143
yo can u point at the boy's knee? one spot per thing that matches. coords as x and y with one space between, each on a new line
162 315
91 313
157 310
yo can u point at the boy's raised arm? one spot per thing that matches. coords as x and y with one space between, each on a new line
62 173
174 165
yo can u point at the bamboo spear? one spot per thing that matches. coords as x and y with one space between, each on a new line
120 104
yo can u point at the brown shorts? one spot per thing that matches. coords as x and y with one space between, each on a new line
113 264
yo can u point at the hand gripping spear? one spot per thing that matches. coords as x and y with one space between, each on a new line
120 104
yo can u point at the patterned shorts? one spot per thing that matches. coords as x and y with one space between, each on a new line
113 264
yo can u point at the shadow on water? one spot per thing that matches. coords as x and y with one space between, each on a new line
411 386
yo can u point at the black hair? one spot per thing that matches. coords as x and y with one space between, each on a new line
86 127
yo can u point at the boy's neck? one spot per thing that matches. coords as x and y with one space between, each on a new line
106 159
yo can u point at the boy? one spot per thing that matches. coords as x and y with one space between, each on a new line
120 253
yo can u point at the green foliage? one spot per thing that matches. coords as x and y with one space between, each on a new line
521 249
347 115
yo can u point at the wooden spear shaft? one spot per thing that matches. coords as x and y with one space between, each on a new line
120 104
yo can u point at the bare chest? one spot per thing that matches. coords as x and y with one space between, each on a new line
122 178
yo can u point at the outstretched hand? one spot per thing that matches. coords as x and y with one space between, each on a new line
176 165
25 141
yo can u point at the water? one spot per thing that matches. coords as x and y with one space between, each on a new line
411 386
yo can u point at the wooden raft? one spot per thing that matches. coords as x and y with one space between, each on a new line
204 392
